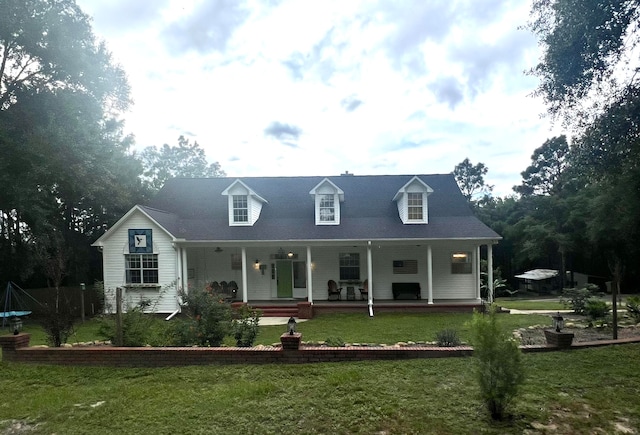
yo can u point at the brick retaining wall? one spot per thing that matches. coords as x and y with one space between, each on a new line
15 349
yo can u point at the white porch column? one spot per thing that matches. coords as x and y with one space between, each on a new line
479 278
490 272
309 277
429 274
185 273
370 278
179 276
245 298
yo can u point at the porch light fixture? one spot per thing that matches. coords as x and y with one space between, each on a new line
290 254
291 325
558 322
256 265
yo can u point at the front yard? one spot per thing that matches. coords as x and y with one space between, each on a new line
578 391
583 391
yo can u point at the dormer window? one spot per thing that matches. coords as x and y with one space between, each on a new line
411 200
327 208
245 204
327 197
240 209
415 212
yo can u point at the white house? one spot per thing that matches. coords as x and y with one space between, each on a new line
284 238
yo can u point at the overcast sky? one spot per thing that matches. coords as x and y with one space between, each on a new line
293 87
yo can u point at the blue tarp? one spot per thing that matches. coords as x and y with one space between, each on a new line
14 313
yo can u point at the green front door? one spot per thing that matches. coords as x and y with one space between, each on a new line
285 279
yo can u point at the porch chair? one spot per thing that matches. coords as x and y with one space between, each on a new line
364 291
334 290
233 289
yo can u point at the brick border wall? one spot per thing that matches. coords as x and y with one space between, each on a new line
16 349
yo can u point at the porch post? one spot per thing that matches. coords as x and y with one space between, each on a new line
429 275
309 277
479 278
185 274
245 298
370 278
179 277
490 272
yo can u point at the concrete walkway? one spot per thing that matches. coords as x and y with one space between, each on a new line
514 311
268 321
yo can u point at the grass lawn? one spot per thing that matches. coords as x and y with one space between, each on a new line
530 304
580 391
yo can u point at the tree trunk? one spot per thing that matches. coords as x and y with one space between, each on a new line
616 271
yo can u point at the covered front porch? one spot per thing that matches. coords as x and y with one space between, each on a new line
426 276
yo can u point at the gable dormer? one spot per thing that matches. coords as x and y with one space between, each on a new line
245 204
412 204
327 197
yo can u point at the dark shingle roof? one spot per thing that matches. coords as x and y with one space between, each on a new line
196 210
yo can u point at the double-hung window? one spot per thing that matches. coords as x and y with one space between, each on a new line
414 203
461 263
240 208
327 208
349 267
141 268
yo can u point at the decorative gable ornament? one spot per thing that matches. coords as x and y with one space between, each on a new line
327 197
140 241
412 203
244 204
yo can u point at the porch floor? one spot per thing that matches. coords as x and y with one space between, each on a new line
290 307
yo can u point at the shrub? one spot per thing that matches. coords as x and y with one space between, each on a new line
633 307
576 298
334 342
499 366
596 308
245 325
57 323
207 322
138 328
447 338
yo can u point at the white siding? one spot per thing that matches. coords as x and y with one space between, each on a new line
453 286
383 276
117 245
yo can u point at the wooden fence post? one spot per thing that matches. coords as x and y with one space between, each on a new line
119 337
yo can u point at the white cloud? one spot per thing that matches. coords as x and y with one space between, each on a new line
317 88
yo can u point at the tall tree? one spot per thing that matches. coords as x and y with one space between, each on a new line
184 160
589 53
64 162
548 167
470 179
589 76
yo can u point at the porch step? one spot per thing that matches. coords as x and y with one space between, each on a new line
278 311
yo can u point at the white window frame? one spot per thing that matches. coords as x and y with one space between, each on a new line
413 208
239 211
141 263
349 262
461 263
327 207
